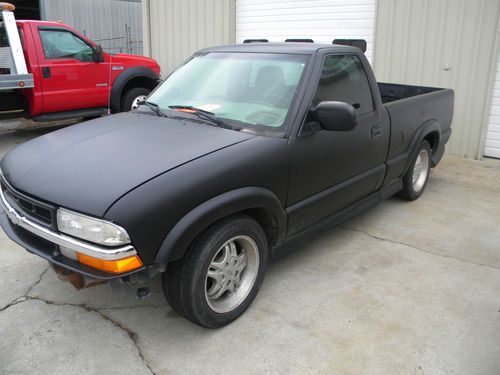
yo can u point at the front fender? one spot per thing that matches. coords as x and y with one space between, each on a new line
192 224
123 79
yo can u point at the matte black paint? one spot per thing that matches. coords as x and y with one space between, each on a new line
258 162
87 167
165 180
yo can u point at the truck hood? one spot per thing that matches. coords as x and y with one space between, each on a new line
135 60
87 167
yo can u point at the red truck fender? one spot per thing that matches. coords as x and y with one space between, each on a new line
136 77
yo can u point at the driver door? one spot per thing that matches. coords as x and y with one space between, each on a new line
71 78
331 170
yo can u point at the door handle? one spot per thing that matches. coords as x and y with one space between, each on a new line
46 72
376 131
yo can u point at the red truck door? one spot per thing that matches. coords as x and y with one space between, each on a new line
70 77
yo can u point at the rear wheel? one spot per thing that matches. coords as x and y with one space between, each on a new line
415 179
133 97
221 274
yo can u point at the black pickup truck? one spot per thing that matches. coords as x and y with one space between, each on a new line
241 150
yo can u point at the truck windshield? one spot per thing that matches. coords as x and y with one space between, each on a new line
253 89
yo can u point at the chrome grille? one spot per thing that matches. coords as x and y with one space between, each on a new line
38 211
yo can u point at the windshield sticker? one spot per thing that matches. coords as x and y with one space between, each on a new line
209 107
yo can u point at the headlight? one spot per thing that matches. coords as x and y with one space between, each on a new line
90 229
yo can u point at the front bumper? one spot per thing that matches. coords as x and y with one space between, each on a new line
45 243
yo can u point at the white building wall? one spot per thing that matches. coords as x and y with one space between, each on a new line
320 20
492 142
448 44
175 29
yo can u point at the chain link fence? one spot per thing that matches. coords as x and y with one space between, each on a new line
124 43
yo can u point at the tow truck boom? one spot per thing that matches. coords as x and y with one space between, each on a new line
12 56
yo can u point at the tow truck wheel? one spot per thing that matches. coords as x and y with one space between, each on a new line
415 179
132 98
220 275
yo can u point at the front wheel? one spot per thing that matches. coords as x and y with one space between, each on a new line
133 97
415 179
221 274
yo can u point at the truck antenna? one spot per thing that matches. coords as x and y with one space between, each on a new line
109 82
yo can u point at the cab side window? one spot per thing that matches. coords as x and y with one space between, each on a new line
60 44
343 79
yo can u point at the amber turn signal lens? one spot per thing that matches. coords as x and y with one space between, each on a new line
113 266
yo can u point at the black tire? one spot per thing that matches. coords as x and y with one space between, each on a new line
130 96
409 192
184 282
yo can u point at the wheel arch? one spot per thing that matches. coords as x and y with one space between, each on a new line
259 203
429 131
433 138
132 77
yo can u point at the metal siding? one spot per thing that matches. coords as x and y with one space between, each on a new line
320 20
178 28
146 27
415 39
100 20
492 142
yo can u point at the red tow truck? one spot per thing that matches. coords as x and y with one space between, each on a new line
51 72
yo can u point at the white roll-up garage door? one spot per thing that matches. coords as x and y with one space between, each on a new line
492 143
320 20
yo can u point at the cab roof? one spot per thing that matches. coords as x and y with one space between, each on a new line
284 47
42 23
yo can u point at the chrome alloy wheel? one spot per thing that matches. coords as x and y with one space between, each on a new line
135 103
420 170
232 273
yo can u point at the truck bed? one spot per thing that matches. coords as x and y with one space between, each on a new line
411 107
391 92
9 80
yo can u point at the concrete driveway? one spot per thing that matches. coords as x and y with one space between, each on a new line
407 288
13 132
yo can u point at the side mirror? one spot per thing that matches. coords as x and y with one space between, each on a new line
335 116
98 56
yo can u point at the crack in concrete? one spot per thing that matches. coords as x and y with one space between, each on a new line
13 303
419 248
36 282
131 334
23 298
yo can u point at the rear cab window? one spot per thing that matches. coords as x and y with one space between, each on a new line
343 79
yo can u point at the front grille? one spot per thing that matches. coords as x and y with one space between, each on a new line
39 212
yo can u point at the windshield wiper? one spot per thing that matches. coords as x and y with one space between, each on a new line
154 107
206 115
